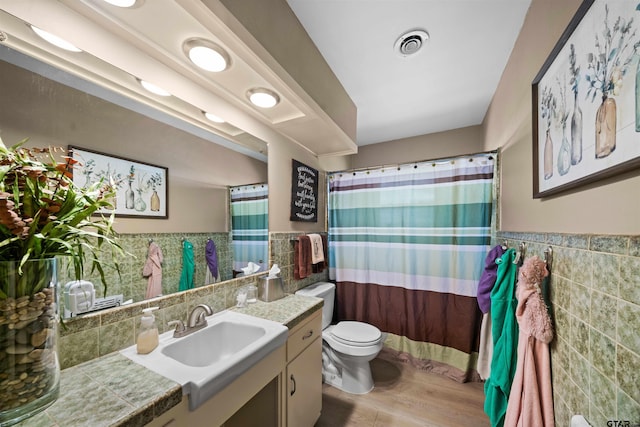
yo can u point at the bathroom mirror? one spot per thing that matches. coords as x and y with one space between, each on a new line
202 165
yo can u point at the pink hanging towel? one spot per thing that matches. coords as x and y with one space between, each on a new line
531 398
153 270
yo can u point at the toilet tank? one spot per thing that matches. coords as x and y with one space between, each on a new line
327 292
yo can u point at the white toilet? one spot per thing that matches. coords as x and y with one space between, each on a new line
347 348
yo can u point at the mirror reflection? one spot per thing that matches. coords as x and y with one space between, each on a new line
249 228
198 243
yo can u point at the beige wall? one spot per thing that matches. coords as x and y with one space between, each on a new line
280 155
610 206
192 209
424 147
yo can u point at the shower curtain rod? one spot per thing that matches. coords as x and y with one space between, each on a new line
439 160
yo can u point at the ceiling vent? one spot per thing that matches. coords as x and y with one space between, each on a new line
410 42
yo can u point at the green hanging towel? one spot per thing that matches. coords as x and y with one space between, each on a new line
504 327
188 266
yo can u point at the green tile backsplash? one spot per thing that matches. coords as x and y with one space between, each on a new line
132 285
595 300
97 334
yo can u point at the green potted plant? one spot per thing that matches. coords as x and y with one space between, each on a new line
43 216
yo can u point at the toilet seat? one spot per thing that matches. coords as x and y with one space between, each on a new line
357 334
350 345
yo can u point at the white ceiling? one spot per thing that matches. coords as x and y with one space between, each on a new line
448 84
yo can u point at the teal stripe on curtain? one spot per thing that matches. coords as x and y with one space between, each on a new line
424 228
249 225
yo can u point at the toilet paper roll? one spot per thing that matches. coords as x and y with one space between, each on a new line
579 421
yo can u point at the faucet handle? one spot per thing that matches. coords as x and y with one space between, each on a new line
180 328
201 321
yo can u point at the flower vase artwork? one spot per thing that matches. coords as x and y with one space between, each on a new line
155 181
638 91
43 216
562 114
129 195
547 112
605 71
606 120
564 155
576 116
140 204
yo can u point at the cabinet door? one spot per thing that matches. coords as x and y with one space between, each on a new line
304 386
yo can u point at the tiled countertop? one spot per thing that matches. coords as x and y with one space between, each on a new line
115 391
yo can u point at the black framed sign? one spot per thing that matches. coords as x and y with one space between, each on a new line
586 100
304 193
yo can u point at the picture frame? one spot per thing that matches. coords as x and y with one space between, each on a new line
141 188
304 192
586 100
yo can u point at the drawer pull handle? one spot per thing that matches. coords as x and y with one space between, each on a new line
308 335
293 385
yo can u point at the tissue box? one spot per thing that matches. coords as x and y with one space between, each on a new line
270 289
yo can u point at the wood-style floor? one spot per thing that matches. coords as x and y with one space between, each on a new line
405 397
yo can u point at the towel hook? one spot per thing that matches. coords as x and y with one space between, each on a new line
548 257
520 253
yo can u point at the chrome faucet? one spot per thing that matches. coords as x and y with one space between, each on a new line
196 321
197 316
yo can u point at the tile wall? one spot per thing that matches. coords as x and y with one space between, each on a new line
281 253
595 297
97 334
132 285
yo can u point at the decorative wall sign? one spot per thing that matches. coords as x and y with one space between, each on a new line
586 99
141 188
304 193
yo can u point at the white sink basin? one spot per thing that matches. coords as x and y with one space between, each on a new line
208 360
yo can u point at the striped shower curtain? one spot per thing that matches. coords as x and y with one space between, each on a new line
407 247
249 225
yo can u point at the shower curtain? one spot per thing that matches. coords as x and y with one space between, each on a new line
407 247
249 225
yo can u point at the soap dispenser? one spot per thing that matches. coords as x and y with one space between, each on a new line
148 336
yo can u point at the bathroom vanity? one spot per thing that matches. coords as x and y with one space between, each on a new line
283 389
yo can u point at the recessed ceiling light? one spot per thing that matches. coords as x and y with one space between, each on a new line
55 40
206 55
124 3
153 88
263 98
213 117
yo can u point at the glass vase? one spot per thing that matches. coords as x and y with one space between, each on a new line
606 127
576 133
140 204
29 365
155 201
564 155
129 197
638 96
548 156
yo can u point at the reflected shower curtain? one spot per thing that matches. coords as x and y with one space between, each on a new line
249 225
407 247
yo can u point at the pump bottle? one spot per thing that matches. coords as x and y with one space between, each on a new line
148 336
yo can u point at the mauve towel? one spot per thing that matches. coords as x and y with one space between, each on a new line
153 270
302 258
488 278
211 255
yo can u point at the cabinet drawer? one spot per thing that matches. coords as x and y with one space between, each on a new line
304 335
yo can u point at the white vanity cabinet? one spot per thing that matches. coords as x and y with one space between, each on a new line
282 390
303 374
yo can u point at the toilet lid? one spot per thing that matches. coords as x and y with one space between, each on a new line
356 333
